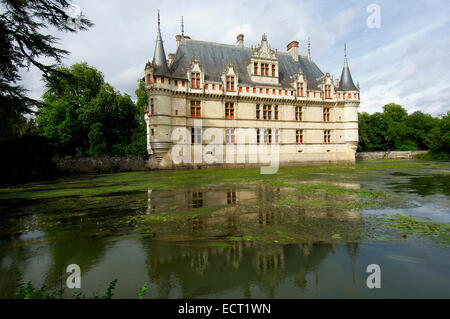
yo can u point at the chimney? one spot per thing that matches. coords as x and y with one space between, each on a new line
293 50
170 59
240 40
178 37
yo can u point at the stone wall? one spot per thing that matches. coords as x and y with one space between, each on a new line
390 155
70 165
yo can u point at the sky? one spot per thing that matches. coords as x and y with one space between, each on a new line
401 55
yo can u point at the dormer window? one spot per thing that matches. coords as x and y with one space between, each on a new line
273 70
264 69
300 89
256 68
195 80
230 83
328 91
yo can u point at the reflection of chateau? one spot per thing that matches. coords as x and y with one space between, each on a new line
201 271
203 267
245 207
277 97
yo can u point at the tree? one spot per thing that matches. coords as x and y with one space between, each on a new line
23 44
86 116
440 138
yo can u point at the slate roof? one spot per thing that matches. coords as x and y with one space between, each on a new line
159 58
214 57
346 83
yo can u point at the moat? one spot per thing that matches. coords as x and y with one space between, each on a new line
305 232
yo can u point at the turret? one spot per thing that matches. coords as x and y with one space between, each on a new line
350 94
158 118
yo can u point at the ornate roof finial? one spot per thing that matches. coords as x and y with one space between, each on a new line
309 48
159 23
345 53
182 26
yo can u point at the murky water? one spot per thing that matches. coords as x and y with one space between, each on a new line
304 233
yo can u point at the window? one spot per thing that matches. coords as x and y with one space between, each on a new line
176 82
153 132
230 138
298 113
256 68
240 89
254 90
149 79
221 87
213 86
326 114
327 136
300 89
258 136
277 136
247 90
299 136
267 112
206 86
258 112
162 80
196 135
197 199
273 70
267 136
230 83
155 79
229 110
195 80
183 83
265 69
231 197
152 107
277 113
328 91
196 109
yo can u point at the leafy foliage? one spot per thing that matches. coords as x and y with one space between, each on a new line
28 291
86 116
23 43
395 130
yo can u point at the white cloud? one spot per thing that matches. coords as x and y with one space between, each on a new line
403 62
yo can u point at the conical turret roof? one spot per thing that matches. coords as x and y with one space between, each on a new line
159 58
346 83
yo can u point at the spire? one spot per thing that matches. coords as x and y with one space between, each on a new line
346 83
159 58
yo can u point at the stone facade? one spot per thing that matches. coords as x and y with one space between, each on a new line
281 97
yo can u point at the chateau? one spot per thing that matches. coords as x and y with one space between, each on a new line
231 90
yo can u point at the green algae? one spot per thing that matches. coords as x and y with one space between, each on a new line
407 225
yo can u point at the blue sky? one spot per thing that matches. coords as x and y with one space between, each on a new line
405 61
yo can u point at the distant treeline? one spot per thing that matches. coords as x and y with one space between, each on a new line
395 130
82 115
